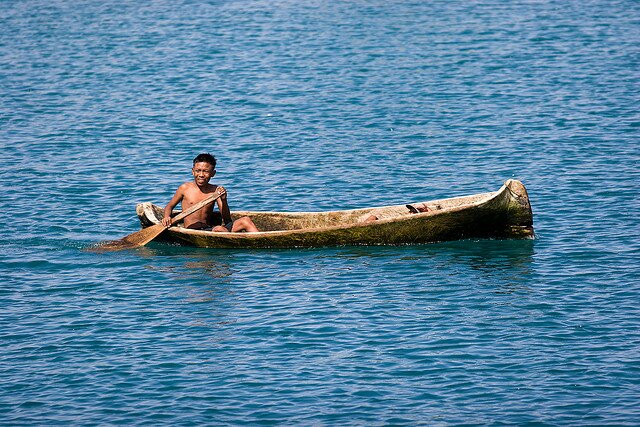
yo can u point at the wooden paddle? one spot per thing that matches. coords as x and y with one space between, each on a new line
144 236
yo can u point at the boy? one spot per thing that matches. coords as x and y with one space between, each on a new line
190 193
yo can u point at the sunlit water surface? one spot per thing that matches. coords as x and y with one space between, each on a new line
318 106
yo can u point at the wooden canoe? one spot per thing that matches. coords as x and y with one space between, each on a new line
505 213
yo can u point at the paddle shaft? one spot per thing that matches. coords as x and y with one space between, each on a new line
144 236
195 207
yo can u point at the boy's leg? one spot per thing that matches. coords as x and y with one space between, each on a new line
244 224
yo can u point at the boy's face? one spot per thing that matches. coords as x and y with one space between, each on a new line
202 173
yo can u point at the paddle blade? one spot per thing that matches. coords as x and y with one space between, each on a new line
132 241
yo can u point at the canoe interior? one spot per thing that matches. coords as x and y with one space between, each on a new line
278 221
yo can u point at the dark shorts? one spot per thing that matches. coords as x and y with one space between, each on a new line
199 226
205 226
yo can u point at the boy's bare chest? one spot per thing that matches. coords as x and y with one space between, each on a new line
193 196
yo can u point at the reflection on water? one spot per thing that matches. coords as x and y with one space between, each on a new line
208 275
198 262
204 275
489 255
481 255
478 254
506 266
503 265
209 267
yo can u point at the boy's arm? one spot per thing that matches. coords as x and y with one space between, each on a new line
223 206
177 198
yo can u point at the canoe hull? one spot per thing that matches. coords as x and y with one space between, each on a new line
505 213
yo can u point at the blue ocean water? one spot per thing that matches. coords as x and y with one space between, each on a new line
313 105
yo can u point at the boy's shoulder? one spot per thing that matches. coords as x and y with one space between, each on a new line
186 186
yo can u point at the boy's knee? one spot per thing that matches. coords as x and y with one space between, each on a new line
244 224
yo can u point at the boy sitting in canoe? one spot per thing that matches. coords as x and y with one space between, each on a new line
190 193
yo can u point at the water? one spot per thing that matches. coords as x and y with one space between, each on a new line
313 106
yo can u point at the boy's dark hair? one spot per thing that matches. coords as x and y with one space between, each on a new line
205 157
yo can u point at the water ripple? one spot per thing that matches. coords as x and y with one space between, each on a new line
312 106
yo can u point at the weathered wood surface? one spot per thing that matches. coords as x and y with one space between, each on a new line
505 213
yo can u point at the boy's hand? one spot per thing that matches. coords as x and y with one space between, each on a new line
222 192
166 221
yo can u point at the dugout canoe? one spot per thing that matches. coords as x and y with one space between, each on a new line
505 213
